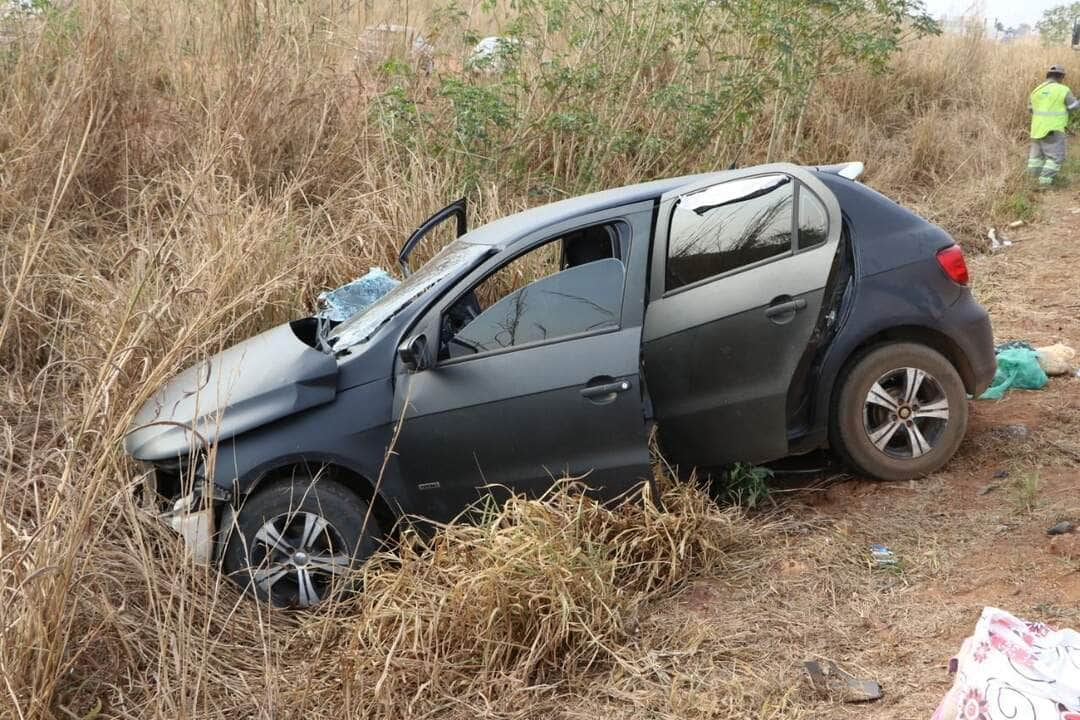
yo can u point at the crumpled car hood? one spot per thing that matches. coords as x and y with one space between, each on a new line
264 378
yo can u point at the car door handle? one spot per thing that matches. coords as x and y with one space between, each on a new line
786 307
605 391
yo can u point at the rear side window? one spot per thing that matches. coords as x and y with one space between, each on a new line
813 220
728 226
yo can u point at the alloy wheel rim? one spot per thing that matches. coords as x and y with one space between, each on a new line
297 556
905 413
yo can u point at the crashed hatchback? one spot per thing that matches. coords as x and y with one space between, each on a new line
749 314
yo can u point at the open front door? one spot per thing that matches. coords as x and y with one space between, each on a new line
739 271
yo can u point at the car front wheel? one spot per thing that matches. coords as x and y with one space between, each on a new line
901 412
295 542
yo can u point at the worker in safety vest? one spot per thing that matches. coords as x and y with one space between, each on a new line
1049 105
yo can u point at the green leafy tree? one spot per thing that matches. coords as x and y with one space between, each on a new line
595 90
1056 25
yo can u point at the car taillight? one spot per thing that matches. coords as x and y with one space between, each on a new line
952 262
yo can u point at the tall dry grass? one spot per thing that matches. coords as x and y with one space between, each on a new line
176 176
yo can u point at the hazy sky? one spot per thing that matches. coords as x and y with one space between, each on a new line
1010 12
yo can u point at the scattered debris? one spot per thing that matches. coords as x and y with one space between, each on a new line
1016 430
13 7
1017 367
987 489
1061 528
882 556
1017 223
378 42
1066 546
831 681
997 241
1075 211
1013 345
1056 359
1002 529
493 54
1001 474
1009 664
344 302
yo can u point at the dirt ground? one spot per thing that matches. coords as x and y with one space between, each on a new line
967 538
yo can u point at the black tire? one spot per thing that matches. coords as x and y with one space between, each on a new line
320 538
914 437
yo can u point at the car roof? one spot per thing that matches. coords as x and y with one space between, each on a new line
504 232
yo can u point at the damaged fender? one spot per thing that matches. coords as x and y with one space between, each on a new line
267 377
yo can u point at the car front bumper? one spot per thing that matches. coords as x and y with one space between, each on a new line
190 515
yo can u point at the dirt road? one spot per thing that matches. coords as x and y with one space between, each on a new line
967 538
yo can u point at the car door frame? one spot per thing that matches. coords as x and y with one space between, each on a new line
638 216
729 290
634 247
658 261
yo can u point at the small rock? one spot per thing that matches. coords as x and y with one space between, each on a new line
1001 529
1066 546
1061 528
1017 430
1017 223
1001 474
987 489
830 680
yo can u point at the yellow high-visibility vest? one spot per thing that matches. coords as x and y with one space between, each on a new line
1048 111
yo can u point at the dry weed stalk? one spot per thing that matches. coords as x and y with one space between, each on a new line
177 176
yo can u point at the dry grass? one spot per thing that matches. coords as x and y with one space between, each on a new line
171 182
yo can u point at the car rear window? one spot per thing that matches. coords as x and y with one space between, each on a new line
728 226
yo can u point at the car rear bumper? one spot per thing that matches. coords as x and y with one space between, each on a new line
968 324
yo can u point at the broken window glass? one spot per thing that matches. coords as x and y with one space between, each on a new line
454 258
343 302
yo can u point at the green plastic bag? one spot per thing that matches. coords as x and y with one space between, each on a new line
1016 368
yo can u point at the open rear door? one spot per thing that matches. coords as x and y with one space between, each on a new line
739 270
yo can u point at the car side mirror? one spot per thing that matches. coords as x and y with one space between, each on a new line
413 353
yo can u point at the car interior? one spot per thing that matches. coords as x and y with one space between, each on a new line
575 249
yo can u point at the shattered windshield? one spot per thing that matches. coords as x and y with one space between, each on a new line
360 327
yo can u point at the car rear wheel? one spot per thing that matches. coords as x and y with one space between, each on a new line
901 412
295 542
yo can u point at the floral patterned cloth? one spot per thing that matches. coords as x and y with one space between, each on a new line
1014 670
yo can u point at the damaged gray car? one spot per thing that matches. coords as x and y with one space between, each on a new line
749 314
